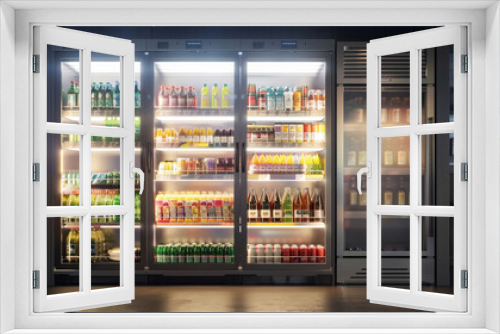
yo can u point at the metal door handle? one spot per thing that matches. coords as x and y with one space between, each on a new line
237 159
132 171
367 170
243 157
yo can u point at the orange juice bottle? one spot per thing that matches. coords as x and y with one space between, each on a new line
196 135
182 136
261 169
283 164
203 135
289 164
276 164
189 136
195 208
302 164
254 165
210 137
159 136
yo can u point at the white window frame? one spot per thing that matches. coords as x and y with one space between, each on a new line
413 44
482 41
86 43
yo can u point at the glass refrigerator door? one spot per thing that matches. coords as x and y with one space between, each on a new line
287 162
195 163
105 158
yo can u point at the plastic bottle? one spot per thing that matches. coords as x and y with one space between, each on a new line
289 164
173 99
203 207
280 100
172 203
283 169
191 98
296 164
225 97
210 137
254 165
159 208
288 96
271 100
165 209
204 97
195 207
182 100
215 97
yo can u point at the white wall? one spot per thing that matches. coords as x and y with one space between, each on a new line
7 159
493 165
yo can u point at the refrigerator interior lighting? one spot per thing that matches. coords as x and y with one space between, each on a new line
304 68
197 119
101 66
286 118
195 67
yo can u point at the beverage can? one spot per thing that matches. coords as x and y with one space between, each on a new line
285 253
277 253
259 253
311 254
320 253
269 251
251 253
303 253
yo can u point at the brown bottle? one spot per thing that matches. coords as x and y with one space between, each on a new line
306 205
297 207
276 207
319 208
265 207
253 210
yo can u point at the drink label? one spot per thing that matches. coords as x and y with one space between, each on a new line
388 197
203 139
305 215
401 158
265 213
401 198
217 139
297 214
196 139
189 211
307 136
351 158
362 199
321 105
182 138
219 212
173 212
223 139
203 212
166 212
229 259
195 212
388 158
277 213
190 259
210 139
190 101
159 213
211 212
226 212
353 198
189 139
362 158
181 213
319 214
204 258
252 214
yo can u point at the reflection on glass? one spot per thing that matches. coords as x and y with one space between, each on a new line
105 248
105 173
395 247
395 172
63 231
438 108
437 169
395 99
437 254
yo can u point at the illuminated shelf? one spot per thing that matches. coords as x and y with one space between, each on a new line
195 225
100 225
195 119
288 148
195 178
287 225
195 149
291 117
97 114
103 149
355 127
285 177
389 171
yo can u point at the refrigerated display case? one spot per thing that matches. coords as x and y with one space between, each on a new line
351 156
64 106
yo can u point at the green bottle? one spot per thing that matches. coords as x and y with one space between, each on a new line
72 95
220 253
197 253
190 254
101 95
159 253
204 253
93 95
116 201
116 95
229 253
109 95
212 253
166 253
287 206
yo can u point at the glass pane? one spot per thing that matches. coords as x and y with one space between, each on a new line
395 171
63 85
63 246
395 239
395 100
437 254
63 170
105 173
105 253
437 99
437 170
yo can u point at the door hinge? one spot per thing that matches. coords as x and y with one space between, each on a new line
464 279
465 64
36 279
36 172
464 171
36 63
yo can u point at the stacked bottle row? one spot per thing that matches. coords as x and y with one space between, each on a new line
102 95
194 137
282 99
292 207
395 151
194 253
194 207
394 191
286 164
194 166
395 110
185 97
286 133
356 151
285 253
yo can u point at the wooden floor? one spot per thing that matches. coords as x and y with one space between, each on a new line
248 299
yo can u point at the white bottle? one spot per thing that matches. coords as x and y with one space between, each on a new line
259 253
288 99
251 253
269 253
277 253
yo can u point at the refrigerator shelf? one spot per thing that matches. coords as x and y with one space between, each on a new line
355 127
195 149
102 149
397 171
287 225
280 149
114 225
195 178
195 119
285 177
286 118
191 225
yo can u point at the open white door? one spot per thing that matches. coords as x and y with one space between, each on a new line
72 133
406 184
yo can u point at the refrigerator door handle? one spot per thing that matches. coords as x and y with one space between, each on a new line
237 157
243 158
139 171
367 170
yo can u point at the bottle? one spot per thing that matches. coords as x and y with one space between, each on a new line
189 136
401 192
223 138
116 95
280 99
226 207
317 168
181 208
73 245
137 96
215 97
297 99
251 96
321 100
228 253
203 207
265 207
217 138
172 208
319 208
72 95
116 201
191 98
271 100
182 101
303 102
173 98
283 162
225 96
204 97
262 99
109 95
362 196
305 202
402 158
289 164
288 97
252 207
276 204
287 206
210 137
311 102
353 194
101 96
388 193
196 135
219 207
189 207
388 153
297 207
162 97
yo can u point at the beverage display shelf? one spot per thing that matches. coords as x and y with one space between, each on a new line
195 119
195 177
192 225
109 225
355 127
96 114
194 149
288 225
396 171
361 214
171 111
286 118
362 253
279 148
99 148
255 111
285 177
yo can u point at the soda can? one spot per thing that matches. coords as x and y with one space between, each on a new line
229 253
204 253
259 253
320 253
197 253
311 254
303 253
277 253
269 253
251 253
294 254
285 253
190 253
220 253
174 254
166 253
182 253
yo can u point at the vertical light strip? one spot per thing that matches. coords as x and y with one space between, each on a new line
85 167
415 104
